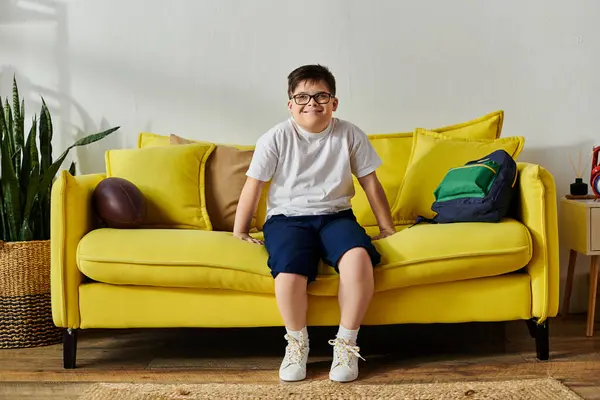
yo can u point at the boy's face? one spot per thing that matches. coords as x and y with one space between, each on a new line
312 114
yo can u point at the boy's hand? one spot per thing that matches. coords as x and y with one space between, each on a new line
247 238
384 233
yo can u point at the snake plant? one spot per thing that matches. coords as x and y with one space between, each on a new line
27 173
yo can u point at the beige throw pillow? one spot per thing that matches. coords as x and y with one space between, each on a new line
224 180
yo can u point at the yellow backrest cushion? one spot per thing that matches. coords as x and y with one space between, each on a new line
488 126
433 154
149 139
171 179
395 148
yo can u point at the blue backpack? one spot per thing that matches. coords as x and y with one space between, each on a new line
479 191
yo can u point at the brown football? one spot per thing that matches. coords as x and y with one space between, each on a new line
119 203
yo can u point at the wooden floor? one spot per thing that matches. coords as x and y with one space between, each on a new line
394 354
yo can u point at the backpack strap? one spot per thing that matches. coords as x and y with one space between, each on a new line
420 219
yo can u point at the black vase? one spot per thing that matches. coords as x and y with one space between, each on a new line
579 188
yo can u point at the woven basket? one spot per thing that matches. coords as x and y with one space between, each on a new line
25 307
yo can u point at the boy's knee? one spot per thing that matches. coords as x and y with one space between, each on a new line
355 254
290 277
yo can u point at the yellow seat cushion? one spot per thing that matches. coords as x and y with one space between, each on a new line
432 155
184 258
394 149
171 180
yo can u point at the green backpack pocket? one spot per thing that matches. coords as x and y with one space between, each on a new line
471 180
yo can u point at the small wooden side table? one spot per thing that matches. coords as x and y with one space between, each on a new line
580 231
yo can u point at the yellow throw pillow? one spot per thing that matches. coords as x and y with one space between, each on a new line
148 139
432 155
171 179
487 127
394 149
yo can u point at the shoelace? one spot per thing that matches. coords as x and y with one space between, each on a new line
294 350
343 350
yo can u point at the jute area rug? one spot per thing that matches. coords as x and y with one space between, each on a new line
528 389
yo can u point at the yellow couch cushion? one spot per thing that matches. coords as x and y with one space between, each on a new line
432 155
488 126
395 149
419 255
171 179
149 139
499 298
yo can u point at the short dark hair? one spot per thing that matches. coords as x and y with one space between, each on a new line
312 73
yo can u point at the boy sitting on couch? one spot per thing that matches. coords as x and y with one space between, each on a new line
310 159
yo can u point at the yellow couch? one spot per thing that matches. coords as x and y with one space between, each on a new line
174 274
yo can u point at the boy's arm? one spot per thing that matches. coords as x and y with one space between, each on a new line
246 209
379 204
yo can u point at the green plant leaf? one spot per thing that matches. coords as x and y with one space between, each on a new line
8 117
72 168
3 129
10 191
2 221
3 126
45 137
26 230
18 126
30 158
18 115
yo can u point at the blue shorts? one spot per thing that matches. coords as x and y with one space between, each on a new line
296 244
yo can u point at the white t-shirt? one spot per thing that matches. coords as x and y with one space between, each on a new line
311 173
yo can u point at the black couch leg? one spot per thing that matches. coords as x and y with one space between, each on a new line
69 348
540 333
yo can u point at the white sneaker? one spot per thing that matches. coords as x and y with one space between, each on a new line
293 366
344 367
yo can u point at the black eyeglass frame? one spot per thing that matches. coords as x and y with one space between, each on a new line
312 96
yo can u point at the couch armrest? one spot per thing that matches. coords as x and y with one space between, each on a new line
537 209
71 218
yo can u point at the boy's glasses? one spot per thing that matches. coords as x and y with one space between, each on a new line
321 98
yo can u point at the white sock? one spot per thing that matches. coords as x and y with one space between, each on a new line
296 334
348 334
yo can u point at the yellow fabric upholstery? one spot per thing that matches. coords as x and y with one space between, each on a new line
486 127
537 210
419 255
71 219
149 139
502 298
432 155
393 149
171 180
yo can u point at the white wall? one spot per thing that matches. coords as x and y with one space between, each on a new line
217 70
